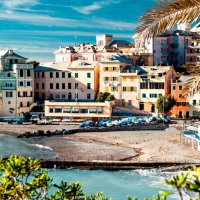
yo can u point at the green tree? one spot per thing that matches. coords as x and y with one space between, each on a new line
168 103
104 96
34 63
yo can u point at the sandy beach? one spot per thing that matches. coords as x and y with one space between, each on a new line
142 146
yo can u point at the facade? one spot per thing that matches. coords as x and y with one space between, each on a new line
135 86
17 84
185 106
75 81
79 110
169 48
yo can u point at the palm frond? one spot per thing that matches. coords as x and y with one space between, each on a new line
165 14
192 87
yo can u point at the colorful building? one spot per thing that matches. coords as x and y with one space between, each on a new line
75 81
17 84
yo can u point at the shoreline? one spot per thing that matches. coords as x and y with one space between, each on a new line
124 146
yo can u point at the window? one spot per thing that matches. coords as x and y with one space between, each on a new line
143 85
76 85
63 85
114 68
51 110
88 86
51 74
153 95
160 74
21 72
9 102
194 113
76 75
28 83
41 76
159 95
106 69
63 96
106 78
194 102
114 78
57 85
21 83
144 95
58 110
114 89
69 75
124 89
8 75
88 95
132 89
88 75
180 95
69 86
28 72
152 76
141 106
57 96
173 87
180 87
8 94
63 74
42 85
76 95
57 74
51 85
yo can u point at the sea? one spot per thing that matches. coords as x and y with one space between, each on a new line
115 184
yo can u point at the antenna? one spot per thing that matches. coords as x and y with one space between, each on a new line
75 40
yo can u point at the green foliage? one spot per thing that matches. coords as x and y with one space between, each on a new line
168 103
22 179
34 63
104 96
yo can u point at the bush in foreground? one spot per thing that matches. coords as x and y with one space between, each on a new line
23 179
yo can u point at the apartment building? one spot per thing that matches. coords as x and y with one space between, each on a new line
75 81
169 48
17 84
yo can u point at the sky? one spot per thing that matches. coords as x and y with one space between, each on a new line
36 28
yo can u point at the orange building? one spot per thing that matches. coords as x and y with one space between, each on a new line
181 109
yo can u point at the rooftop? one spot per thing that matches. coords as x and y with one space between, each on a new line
116 58
82 64
51 66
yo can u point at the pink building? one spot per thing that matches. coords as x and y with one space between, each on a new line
169 48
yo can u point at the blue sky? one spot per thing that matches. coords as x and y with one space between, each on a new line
35 28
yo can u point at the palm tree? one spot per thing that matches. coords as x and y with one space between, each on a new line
165 14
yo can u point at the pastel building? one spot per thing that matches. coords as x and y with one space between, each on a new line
185 106
75 81
169 48
17 84
135 86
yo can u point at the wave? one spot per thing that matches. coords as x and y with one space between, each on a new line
43 147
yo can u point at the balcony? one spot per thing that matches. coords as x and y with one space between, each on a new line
163 46
22 66
174 53
8 88
174 44
164 53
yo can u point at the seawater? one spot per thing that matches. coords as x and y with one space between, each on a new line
15 146
118 184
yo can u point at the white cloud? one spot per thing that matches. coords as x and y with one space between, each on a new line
18 3
46 20
92 7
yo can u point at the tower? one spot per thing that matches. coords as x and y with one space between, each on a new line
103 40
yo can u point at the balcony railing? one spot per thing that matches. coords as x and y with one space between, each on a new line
174 53
23 66
174 44
163 46
164 53
8 88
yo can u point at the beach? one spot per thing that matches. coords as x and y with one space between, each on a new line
138 146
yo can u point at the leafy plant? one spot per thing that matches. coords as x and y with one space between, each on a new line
104 96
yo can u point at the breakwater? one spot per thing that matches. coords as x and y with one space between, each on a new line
134 127
117 165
